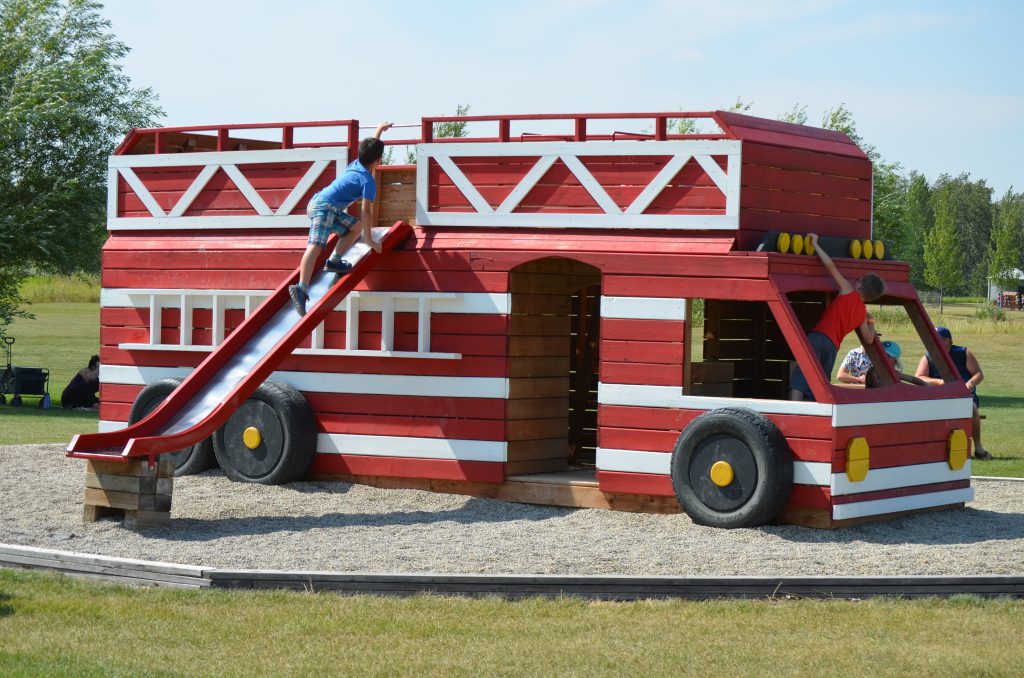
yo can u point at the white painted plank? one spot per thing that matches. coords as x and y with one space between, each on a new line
526 184
657 185
866 414
897 504
249 222
419 448
592 185
307 181
714 172
732 194
143 194
464 185
194 189
327 382
112 176
634 461
668 222
250 193
660 463
672 397
899 476
483 303
643 308
812 473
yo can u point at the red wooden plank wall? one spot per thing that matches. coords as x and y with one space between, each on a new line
803 191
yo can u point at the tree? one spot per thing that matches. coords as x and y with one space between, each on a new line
454 129
941 250
796 115
889 185
693 125
971 202
1007 256
64 104
917 220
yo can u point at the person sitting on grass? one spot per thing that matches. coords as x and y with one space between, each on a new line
326 212
82 390
970 371
845 314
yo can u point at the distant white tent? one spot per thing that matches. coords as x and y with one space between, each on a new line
993 288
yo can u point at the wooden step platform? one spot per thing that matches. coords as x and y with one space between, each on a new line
135 490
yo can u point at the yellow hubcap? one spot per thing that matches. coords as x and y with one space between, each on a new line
251 437
721 473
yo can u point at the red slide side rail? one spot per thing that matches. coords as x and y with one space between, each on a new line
141 439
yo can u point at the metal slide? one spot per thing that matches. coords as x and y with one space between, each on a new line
209 395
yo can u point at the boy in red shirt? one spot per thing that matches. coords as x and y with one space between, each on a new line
845 314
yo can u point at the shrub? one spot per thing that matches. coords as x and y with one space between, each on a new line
989 312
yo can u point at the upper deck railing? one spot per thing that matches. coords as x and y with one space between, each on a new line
220 138
602 170
198 138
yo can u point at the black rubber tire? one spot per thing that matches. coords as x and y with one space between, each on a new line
287 443
761 460
195 459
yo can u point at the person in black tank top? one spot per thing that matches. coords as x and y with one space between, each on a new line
969 370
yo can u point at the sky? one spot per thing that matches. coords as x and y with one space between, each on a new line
937 86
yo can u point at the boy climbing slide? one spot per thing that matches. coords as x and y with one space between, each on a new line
327 214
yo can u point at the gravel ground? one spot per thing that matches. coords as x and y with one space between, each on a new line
353 528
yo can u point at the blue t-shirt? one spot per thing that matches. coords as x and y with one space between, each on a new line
354 183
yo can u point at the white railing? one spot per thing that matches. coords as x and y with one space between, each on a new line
547 153
220 301
124 166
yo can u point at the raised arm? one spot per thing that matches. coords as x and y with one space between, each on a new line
381 128
844 284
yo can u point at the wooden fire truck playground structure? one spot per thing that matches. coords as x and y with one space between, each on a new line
526 333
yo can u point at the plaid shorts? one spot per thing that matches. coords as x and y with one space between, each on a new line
324 219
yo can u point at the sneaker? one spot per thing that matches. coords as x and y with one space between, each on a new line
982 453
339 266
299 299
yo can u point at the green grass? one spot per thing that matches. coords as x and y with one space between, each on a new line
61 338
49 289
51 625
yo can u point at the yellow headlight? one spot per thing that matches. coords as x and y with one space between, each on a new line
858 459
956 449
